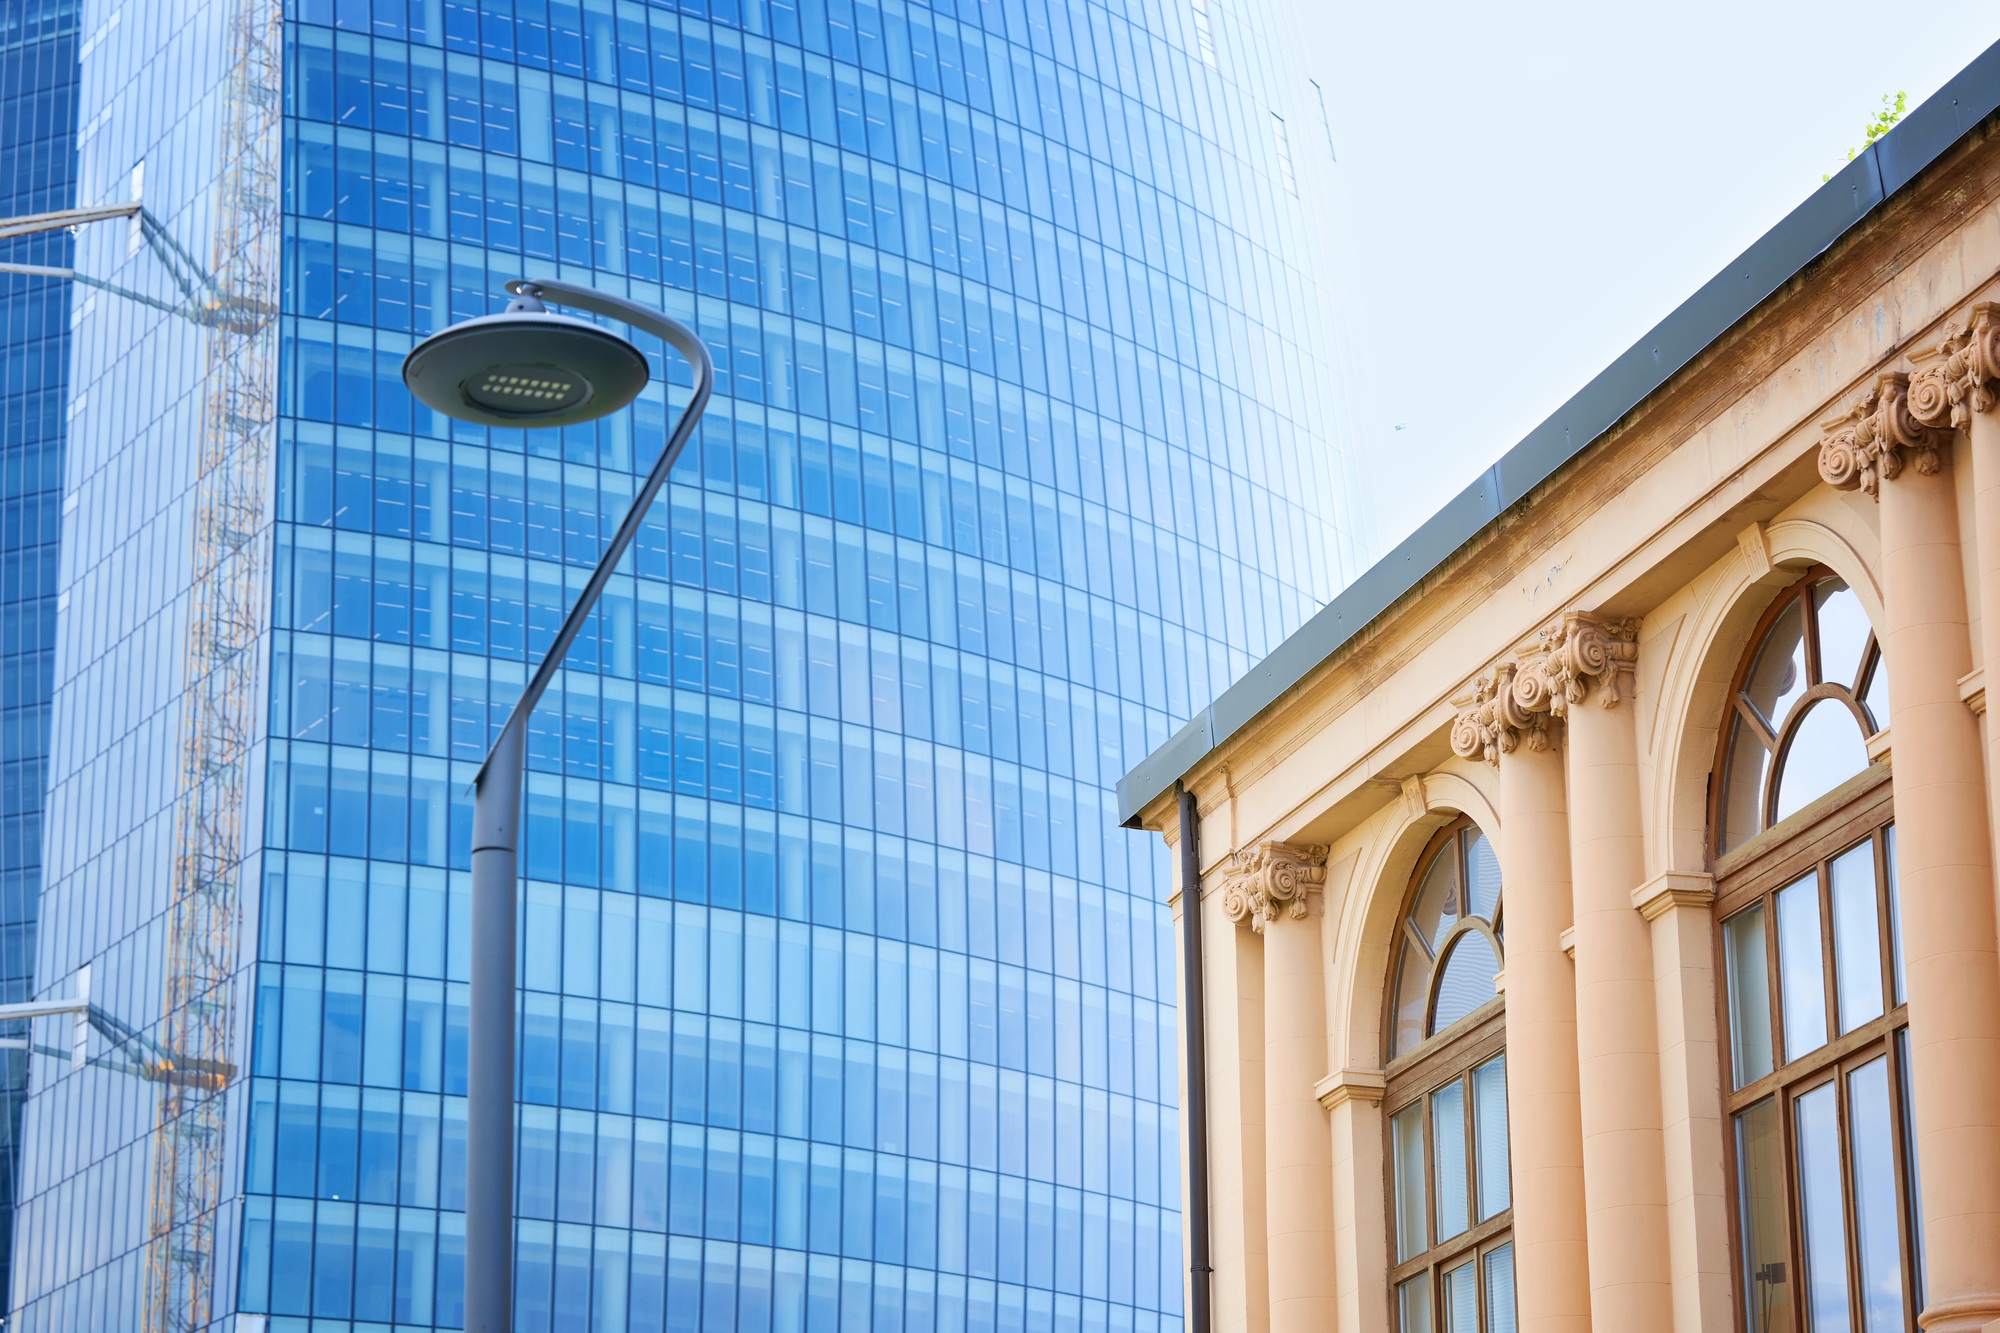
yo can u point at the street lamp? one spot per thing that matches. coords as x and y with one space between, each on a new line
527 367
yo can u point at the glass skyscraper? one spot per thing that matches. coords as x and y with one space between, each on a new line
844 1003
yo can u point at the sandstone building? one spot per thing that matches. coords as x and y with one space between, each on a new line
1596 924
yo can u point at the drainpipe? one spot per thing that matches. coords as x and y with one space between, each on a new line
1193 1029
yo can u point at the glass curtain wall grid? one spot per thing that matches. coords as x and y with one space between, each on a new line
38 69
845 1003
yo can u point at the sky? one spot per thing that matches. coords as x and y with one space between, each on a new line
1525 189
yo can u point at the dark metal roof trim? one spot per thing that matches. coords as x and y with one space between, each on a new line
1876 173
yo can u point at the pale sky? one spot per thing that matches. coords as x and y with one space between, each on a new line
1528 188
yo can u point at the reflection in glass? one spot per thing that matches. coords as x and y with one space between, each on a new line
1910 1163
1843 632
1413 976
1467 982
1822 1224
1824 752
1779 677
1407 1132
1871 1134
1895 909
1749 994
1760 1217
1500 1290
1743 786
1801 972
1461 1299
1448 1140
1413 1305
1489 1125
1857 938
1441 902
1483 869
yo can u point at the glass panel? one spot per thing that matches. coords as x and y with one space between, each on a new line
1822 1224
1500 1290
1467 982
1461 1299
1915 1182
1439 902
1743 786
1483 870
1413 1304
1412 1237
1895 910
1877 1226
1876 695
1448 1141
1824 752
1760 1214
1801 971
1489 1127
1857 938
1413 984
1749 994
1779 677
1843 632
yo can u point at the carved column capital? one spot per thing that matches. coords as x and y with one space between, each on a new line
1871 442
1509 705
1273 880
1961 375
1586 649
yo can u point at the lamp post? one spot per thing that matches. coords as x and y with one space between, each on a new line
527 367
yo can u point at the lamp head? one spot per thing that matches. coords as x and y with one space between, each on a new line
525 367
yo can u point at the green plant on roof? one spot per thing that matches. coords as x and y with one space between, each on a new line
1879 124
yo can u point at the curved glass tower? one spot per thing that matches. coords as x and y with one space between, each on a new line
844 1003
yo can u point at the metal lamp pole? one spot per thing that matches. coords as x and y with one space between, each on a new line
496 816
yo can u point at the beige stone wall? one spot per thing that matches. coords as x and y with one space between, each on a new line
1668 538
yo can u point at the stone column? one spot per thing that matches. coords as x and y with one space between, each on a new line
1617 1027
1510 726
1943 848
1277 888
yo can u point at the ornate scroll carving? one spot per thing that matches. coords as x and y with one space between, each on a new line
1868 445
1272 880
1585 649
1961 375
1509 706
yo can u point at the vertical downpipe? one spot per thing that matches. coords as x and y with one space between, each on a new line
1193 1029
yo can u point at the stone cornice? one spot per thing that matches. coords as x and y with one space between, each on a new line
1351 1085
1675 889
1273 880
1872 441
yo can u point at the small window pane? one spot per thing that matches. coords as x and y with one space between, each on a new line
1822 1223
1878 1239
1876 694
1500 1290
1467 983
1448 1140
1779 677
1857 938
1749 994
1461 1299
1441 901
1895 910
1483 872
1489 1123
1843 632
1760 1214
1743 786
1413 1304
1413 978
1916 1185
1412 1236
1824 752
1801 971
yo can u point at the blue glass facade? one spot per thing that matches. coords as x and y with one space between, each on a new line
38 68
844 1002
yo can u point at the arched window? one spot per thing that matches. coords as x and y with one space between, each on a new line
1451 1198
1804 700
1815 1045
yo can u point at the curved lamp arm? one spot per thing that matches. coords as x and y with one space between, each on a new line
683 340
